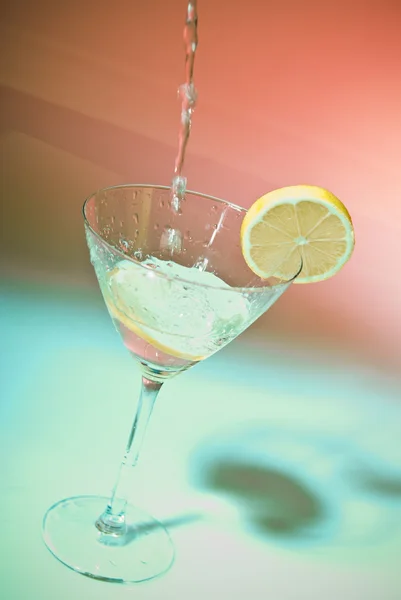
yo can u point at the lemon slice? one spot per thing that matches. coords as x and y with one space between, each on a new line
125 314
151 338
294 221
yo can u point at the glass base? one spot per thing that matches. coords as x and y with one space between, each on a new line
143 552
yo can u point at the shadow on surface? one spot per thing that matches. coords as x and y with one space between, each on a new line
276 503
299 488
144 528
382 485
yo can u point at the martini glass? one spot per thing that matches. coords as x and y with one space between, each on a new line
177 289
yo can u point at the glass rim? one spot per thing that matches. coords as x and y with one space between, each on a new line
241 209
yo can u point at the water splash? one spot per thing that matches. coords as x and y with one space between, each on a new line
188 94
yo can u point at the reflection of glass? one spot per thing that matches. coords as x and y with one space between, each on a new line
177 289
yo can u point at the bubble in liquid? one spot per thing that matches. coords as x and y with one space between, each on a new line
106 231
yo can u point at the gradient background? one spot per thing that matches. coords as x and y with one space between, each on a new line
289 92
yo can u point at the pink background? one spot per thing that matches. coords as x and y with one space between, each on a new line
289 92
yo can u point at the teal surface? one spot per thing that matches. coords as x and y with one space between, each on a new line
279 475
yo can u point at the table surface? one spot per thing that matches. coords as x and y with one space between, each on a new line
279 475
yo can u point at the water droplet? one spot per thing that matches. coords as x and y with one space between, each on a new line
189 95
124 245
215 226
135 218
121 224
201 264
161 203
214 208
188 236
156 226
171 240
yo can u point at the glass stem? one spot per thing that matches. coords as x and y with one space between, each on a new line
112 521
